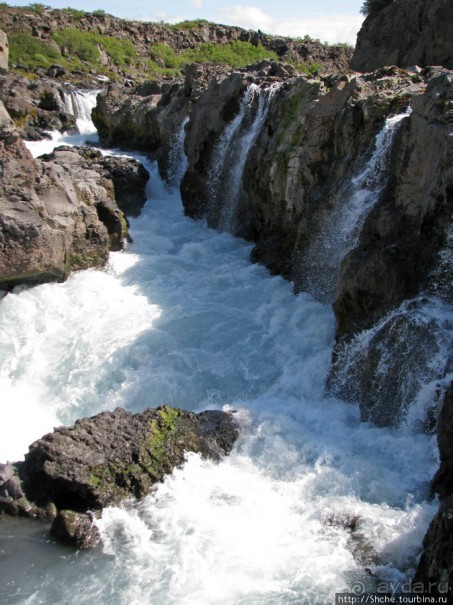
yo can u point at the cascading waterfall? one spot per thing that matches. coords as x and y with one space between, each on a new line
340 233
401 367
177 160
230 155
182 317
80 103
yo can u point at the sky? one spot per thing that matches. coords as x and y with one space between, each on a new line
329 20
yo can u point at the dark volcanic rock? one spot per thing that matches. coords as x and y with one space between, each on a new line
443 481
436 563
106 458
406 33
76 529
34 105
402 236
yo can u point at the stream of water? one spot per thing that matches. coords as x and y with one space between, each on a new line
182 317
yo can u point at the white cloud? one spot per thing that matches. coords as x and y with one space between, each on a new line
197 3
249 17
331 28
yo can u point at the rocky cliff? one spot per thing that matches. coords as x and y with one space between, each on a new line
140 37
405 33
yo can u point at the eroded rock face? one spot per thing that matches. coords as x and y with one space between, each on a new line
58 213
316 134
34 105
406 33
148 117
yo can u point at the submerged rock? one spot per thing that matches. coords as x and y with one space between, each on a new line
76 529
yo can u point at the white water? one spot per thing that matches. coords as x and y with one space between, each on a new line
177 164
80 103
342 229
183 318
230 156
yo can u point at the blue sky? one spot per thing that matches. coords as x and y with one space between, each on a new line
328 20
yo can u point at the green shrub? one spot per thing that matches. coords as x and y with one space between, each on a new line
75 13
38 8
193 24
235 54
85 46
26 50
370 7
122 52
78 43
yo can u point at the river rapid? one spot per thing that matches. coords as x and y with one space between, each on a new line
183 318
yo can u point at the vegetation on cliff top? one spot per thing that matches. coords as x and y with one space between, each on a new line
83 48
373 6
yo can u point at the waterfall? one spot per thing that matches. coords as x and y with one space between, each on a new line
341 231
80 103
400 368
230 155
177 160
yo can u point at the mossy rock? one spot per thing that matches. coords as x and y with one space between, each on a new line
114 455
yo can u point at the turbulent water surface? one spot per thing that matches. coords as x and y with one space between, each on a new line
183 318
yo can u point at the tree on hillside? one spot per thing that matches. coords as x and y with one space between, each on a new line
370 7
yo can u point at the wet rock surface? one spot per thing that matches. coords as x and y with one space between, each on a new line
104 459
436 563
108 457
405 232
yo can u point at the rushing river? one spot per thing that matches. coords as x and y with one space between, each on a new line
183 318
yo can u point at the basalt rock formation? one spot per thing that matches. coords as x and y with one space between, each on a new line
406 33
436 564
404 233
34 105
73 473
59 213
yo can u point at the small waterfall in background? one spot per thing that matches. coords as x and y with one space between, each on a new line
230 155
339 236
80 103
177 160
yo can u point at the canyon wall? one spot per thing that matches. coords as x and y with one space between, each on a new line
405 33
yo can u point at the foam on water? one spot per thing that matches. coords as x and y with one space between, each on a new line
182 317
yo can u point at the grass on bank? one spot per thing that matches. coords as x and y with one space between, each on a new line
77 50
72 49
